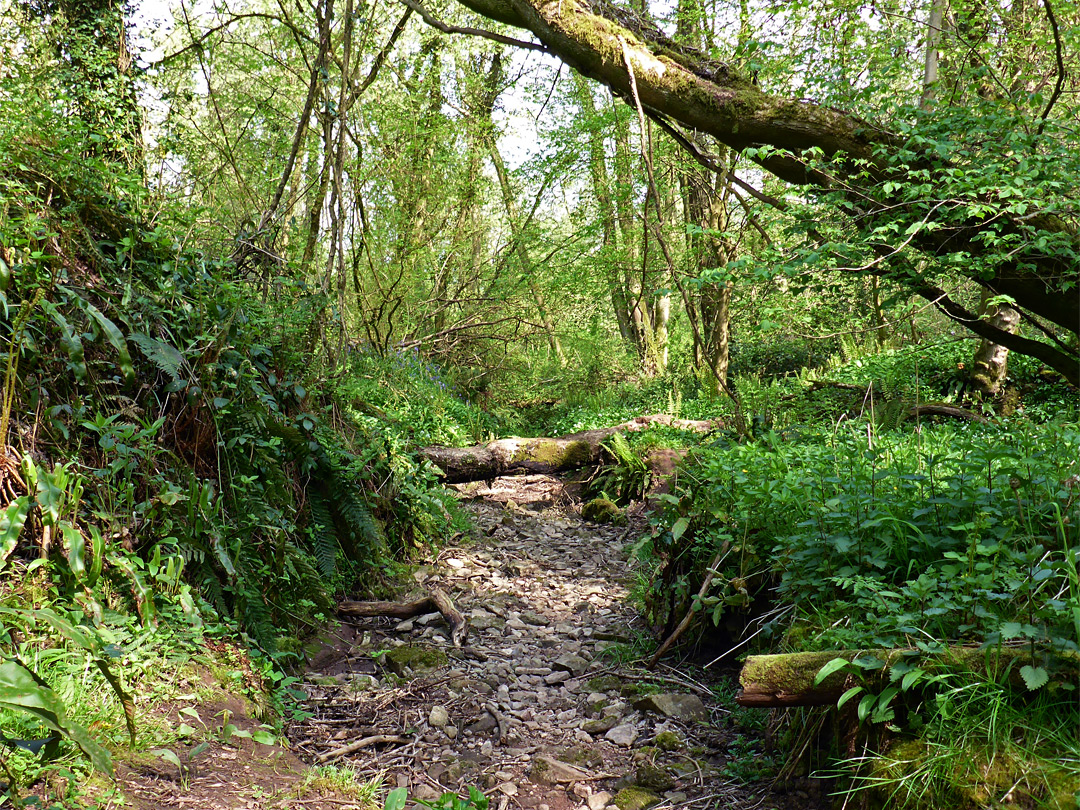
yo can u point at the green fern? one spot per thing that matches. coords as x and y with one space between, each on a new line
161 354
323 536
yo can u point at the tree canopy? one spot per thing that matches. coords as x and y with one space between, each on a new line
890 178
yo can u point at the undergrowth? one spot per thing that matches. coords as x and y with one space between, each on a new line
180 461
856 538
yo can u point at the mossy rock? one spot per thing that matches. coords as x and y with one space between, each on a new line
604 683
601 510
420 659
635 798
669 741
653 777
580 755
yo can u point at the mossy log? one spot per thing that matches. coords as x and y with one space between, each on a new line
772 681
512 456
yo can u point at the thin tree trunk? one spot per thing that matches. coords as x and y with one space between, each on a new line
598 170
930 63
522 251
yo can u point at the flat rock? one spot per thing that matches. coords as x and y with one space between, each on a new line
574 664
550 771
623 735
600 726
599 800
675 705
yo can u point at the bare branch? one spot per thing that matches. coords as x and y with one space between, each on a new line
435 22
1060 65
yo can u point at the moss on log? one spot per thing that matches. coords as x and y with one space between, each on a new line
541 455
788 679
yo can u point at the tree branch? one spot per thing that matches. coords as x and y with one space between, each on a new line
1060 65
435 22
1068 365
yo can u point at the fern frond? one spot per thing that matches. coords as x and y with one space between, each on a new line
167 358
323 536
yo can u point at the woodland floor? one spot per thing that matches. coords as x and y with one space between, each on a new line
534 709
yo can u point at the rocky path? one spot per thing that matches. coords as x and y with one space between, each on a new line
539 707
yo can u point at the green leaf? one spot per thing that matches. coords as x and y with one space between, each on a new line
22 691
395 799
834 665
679 528
97 549
75 545
866 705
264 737
230 731
11 525
71 342
144 596
112 334
1034 677
161 354
848 695
911 678
170 757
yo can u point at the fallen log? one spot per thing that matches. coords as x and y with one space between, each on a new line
939 409
774 681
437 600
541 455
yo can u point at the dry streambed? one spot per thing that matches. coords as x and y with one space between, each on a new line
534 708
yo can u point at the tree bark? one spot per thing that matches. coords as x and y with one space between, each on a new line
437 601
541 455
991 359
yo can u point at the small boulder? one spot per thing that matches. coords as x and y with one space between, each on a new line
669 741
653 777
438 717
574 664
636 798
601 510
549 771
599 800
600 726
623 735
421 660
675 705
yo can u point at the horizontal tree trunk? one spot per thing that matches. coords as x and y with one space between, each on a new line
937 409
772 681
437 601
542 455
